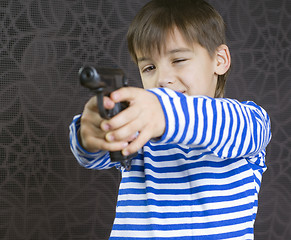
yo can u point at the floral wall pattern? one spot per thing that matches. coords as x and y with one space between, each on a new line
44 193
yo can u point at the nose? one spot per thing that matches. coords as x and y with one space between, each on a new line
166 77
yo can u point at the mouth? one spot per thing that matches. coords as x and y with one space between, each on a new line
184 92
179 90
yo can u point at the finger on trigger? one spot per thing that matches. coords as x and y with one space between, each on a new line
108 103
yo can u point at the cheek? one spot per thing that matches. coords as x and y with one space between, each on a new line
148 83
202 83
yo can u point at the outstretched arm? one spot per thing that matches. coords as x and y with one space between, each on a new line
226 127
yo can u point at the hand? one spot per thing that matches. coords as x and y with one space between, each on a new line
90 135
144 116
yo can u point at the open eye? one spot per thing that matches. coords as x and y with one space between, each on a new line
148 68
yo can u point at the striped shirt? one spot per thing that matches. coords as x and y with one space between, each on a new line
200 180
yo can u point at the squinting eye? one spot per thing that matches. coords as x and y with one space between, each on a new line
179 60
149 68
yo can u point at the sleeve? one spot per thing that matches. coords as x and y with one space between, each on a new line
226 127
98 160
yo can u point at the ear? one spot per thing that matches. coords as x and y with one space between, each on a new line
223 59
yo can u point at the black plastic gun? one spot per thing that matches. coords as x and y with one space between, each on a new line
103 81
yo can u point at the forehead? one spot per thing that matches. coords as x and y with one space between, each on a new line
172 40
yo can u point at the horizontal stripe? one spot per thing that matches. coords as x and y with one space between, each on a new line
246 233
191 215
177 183
200 180
186 202
193 226
189 190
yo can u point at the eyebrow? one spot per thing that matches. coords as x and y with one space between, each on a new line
178 50
142 59
173 51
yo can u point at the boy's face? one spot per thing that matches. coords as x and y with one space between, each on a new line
180 67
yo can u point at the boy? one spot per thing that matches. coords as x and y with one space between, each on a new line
200 157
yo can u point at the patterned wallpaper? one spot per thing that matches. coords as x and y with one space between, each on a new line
44 193
259 34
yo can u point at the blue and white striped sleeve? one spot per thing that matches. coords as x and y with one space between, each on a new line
97 160
226 127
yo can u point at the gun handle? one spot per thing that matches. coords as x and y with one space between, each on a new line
124 160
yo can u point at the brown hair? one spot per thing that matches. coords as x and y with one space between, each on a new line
196 20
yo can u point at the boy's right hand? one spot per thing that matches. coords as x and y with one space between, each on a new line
90 135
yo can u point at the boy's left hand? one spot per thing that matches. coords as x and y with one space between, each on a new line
144 116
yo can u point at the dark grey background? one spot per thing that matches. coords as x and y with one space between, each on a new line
44 193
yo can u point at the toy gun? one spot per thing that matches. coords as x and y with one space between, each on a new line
103 81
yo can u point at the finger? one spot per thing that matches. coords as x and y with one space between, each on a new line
92 104
132 137
97 144
125 94
121 119
90 118
127 132
91 112
136 144
94 141
108 103
87 132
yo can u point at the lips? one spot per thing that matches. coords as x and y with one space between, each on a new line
181 91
